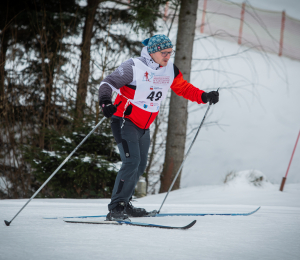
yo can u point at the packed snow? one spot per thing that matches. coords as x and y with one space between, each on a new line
271 233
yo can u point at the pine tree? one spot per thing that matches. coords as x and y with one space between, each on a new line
33 44
89 173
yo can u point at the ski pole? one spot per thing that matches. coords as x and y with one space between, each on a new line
7 223
185 157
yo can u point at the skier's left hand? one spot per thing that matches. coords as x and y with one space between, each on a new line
211 97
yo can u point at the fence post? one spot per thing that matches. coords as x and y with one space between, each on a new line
281 33
241 24
287 171
203 16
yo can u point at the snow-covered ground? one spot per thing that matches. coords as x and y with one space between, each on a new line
271 233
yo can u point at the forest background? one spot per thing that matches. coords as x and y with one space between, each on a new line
53 56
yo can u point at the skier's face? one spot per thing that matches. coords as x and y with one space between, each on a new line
162 57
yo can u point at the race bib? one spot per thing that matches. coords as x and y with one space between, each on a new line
151 85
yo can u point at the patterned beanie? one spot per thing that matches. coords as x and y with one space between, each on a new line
157 43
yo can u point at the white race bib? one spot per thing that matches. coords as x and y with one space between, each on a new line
151 85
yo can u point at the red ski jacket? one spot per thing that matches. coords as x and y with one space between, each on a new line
122 79
143 119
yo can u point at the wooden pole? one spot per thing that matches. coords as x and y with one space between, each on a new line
241 24
281 33
282 183
287 171
203 16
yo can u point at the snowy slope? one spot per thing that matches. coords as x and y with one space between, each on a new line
258 115
259 124
271 233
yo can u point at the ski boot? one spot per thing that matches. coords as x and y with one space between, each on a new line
134 212
118 213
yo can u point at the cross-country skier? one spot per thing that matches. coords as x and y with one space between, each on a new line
142 84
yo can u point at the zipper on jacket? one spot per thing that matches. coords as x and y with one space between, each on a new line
148 121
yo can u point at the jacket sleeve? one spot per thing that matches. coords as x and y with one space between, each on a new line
121 76
182 88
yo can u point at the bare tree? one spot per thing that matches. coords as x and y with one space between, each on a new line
85 57
178 105
3 49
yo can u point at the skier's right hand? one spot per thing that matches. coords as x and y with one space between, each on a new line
108 108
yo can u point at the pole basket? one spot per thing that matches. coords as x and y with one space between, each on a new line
282 183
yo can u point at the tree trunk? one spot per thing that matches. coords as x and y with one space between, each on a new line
178 105
4 45
85 58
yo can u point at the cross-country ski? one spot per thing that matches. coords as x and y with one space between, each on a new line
138 224
171 215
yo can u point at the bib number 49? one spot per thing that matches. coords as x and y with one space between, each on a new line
157 96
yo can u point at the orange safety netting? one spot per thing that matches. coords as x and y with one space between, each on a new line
264 30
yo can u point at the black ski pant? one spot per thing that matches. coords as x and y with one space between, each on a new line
133 143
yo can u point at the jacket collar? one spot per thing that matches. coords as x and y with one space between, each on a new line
150 62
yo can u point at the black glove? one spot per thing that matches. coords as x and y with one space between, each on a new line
108 108
212 97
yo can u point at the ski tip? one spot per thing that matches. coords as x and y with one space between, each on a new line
190 225
252 212
256 209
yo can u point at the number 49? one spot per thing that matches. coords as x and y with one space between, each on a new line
152 94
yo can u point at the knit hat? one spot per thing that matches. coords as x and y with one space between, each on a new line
157 43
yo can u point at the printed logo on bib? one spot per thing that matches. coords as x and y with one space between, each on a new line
147 76
145 106
161 80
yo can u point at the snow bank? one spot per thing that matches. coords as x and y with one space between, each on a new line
252 178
